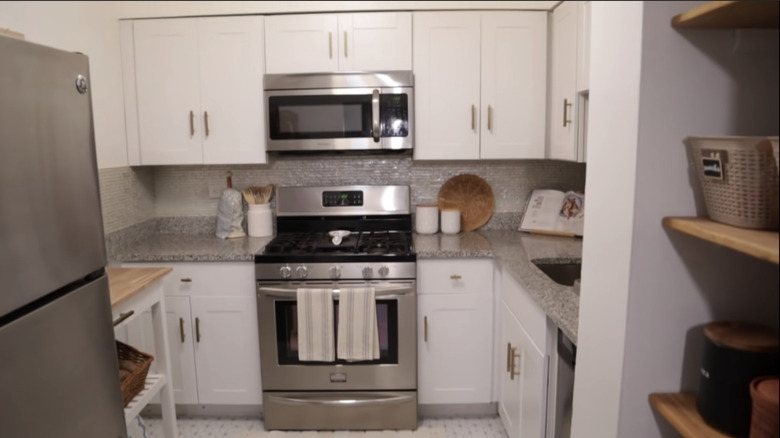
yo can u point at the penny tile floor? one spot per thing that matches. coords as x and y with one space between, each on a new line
211 427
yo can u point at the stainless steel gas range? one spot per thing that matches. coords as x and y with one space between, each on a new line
339 238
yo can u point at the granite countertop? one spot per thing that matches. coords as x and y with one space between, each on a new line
189 248
514 250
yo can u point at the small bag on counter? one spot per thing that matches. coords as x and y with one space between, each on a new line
230 213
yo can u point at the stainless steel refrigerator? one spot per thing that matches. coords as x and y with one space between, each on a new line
58 367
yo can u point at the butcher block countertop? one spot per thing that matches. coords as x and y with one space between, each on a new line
125 282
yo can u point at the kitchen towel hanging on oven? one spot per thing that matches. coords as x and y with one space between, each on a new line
358 336
315 325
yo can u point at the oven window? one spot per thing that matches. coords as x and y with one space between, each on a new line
287 333
323 116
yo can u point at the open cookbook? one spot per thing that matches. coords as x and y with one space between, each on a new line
554 212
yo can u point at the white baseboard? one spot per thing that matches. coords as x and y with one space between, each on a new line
457 410
153 410
423 411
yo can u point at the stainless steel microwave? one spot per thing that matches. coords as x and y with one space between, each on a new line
349 111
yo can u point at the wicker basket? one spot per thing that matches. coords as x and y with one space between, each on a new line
133 383
738 178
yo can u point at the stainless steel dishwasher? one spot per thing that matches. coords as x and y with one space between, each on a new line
561 388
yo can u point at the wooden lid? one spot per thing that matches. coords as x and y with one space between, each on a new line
766 389
742 336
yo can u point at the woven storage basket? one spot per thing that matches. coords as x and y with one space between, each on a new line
739 179
133 383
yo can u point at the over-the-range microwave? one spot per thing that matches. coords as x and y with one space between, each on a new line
346 111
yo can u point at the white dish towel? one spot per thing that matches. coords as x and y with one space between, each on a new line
358 336
315 324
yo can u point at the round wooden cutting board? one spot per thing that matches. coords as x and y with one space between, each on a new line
471 195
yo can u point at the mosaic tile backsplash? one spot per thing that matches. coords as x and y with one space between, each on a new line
127 196
133 195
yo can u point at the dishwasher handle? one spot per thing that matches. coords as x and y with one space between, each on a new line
567 350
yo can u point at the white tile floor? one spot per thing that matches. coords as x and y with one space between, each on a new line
456 427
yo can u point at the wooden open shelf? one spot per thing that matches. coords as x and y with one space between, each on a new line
679 409
760 244
730 15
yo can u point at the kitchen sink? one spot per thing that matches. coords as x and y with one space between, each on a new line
561 273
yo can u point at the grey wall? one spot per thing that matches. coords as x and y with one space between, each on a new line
133 195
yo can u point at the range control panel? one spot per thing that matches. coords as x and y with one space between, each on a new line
342 198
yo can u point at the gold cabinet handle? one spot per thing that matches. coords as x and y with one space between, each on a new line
192 123
181 329
473 118
425 329
515 356
123 316
508 356
206 122
345 43
490 118
186 280
455 277
330 45
566 105
197 330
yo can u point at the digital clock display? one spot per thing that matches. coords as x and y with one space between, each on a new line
351 198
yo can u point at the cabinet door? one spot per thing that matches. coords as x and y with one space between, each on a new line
455 352
514 84
227 350
509 388
301 43
446 59
380 41
231 88
167 91
583 48
562 119
523 385
141 334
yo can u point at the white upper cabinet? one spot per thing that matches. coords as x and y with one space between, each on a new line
480 85
192 88
308 43
569 78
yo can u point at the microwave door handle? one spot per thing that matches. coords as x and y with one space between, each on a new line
375 115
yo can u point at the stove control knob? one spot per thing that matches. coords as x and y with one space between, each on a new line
383 271
285 271
335 272
302 271
368 272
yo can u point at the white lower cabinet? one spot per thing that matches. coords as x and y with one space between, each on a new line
455 331
523 363
523 387
212 325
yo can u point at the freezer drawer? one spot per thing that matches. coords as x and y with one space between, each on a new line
60 371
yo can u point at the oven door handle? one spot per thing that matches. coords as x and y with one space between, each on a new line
279 292
339 399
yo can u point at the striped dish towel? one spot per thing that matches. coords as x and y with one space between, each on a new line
315 325
358 337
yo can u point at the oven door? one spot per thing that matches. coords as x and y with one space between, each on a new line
396 369
339 119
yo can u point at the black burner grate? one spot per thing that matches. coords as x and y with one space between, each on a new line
357 243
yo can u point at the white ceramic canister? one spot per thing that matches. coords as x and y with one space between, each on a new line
450 221
426 218
259 220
